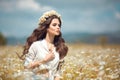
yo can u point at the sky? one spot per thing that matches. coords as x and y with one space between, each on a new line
20 17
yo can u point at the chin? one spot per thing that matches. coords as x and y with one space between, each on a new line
57 34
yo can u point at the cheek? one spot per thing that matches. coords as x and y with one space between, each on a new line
51 29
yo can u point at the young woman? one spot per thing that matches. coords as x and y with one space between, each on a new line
45 48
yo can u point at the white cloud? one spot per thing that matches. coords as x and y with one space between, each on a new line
117 15
31 4
28 4
6 5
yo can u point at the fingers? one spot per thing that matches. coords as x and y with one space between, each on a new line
52 55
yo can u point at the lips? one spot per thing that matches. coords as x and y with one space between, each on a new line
58 31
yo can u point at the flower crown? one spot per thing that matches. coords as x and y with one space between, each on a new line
47 14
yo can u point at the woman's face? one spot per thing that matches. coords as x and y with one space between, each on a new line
54 27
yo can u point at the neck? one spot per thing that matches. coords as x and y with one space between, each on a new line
49 38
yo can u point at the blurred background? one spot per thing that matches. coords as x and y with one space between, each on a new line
83 21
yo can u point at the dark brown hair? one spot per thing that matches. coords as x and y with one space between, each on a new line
40 33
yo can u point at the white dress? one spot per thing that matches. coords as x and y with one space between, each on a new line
38 51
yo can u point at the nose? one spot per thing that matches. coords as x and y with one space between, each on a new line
58 26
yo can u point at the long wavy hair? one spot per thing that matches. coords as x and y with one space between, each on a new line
40 33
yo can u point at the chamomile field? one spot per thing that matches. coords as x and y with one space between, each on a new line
83 62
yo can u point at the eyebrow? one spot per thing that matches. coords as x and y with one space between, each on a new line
55 23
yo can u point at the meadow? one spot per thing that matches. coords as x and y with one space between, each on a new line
83 62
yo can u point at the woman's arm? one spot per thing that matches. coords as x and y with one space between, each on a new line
48 58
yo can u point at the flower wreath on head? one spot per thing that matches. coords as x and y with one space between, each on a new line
47 14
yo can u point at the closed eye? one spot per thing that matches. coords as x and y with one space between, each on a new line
55 24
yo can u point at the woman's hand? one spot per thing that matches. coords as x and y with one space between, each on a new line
49 56
32 65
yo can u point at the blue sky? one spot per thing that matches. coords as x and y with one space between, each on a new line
19 17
